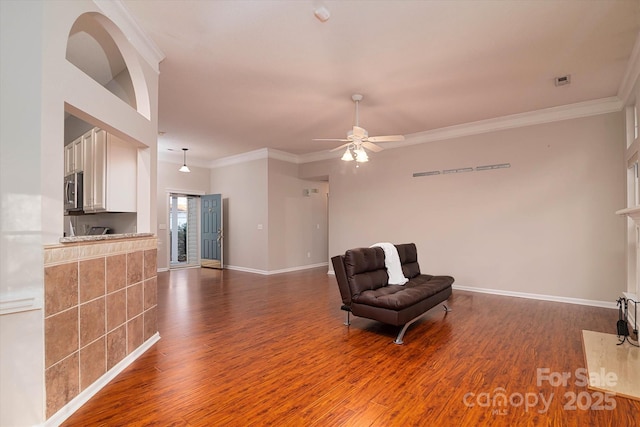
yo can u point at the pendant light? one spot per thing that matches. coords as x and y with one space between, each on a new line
184 167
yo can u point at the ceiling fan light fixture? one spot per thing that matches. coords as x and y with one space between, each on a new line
361 155
184 167
347 156
358 139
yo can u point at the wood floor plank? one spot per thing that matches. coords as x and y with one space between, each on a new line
240 349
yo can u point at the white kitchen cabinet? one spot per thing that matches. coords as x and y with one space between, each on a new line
68 159
110 173
73 157
78 157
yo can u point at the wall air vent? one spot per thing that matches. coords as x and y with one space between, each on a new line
563 80
417 174
489 167
459 170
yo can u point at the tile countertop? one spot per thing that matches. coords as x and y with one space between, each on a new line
100 237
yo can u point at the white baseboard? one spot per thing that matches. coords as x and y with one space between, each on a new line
270 272
553 298
162 270
82 398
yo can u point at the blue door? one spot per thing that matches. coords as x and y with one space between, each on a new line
211 249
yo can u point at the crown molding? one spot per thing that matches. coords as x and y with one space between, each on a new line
249 156
282 155
119 13
177 158
262 153
547 115
625 91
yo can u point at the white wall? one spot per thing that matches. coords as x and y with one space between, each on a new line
21 260
547 225
244 192
37 85
270 225
298 232
170 180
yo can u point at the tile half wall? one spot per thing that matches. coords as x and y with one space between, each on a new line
100 306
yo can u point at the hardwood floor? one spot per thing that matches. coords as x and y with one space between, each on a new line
241 349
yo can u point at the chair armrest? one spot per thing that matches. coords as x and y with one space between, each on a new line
341 277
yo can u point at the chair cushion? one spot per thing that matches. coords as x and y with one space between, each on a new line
397 297
365 269
409 259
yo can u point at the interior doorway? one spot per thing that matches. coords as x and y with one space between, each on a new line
183 231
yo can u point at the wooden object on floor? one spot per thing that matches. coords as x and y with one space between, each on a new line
243 349
210 263
612 368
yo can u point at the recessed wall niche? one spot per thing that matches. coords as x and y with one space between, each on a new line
92 49
81 222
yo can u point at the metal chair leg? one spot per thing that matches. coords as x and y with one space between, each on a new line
398 339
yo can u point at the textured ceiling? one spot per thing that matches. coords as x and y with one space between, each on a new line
244 75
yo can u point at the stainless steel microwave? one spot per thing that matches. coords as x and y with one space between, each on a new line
73 192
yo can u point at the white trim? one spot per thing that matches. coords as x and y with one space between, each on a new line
19 303
173 158
240 158
262 153
246 269
270 272
302 267
178 191
119 13
633 213
184 266
162 270
552 298
547 115
282 155
70 408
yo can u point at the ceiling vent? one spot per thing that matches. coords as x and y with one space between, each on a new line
563 80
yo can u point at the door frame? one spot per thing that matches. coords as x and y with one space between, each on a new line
167 237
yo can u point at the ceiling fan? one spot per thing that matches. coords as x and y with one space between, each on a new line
358 139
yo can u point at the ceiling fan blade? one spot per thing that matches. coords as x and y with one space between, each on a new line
388 138
370 146
341 147
331 139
